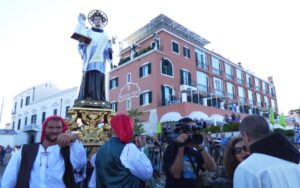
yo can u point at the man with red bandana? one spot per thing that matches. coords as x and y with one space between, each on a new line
50 163
119 163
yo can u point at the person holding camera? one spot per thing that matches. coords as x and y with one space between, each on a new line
185 156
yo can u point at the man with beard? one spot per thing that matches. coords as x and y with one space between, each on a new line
51 163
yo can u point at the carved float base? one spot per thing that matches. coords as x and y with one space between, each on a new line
91 124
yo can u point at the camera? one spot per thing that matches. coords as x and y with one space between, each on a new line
194 136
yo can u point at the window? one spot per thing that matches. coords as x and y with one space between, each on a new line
33 119
145 70
114 106
113 83
186 52
229 72
216 66
156 43
265 88
27 100
230 90
166 67
201 59
185 77
273 103
239 75
25 122
241 91
272 89
257 84
19 124
218 85
13 125
146 98
128 104
129 78
249 81
55 112
258 100
166 93
250 97
43 117
21 104
202 81
175 47
267 103
15 107
67 109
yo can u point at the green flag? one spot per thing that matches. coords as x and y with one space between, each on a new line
271 116
282 120
158 128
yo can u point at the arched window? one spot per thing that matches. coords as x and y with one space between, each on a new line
166 67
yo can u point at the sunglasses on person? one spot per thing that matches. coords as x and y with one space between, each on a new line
238 150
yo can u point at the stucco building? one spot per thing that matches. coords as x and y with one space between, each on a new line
168 73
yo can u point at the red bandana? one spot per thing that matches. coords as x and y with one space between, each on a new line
122 125
65 126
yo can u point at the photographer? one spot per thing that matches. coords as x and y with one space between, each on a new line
185 156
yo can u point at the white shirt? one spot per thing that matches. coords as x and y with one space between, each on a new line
132 158
48 167
264 171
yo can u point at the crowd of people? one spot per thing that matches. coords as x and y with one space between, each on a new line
255 158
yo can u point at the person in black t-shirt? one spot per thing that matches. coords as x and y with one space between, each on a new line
183 158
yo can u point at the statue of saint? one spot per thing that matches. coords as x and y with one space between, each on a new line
95 49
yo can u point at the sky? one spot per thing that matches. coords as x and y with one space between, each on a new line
35 43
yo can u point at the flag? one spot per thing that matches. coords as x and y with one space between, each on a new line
282 120
271 116
158 128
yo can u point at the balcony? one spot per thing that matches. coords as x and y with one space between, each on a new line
31 127
188 87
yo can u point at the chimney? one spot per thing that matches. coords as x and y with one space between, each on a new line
270 79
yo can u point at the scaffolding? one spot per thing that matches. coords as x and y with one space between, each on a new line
164 22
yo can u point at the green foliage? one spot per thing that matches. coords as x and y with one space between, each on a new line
213 129
233 126
287 133
135 114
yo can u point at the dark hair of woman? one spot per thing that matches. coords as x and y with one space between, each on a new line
230 160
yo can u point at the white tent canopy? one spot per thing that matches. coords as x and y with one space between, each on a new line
217 117
198 115
170 116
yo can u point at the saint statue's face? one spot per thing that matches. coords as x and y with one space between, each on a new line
97 21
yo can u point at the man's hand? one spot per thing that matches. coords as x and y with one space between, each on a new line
65 139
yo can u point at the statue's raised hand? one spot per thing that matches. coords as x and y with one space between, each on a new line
81 18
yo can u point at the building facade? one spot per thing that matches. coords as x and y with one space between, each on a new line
167 73
32 106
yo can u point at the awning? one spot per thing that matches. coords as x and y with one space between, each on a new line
170 116
198 115
217 117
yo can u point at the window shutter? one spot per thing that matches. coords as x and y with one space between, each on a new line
150 97
163 100
141 72
117 82
149 68
190 78
181 76
141 99
110 84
